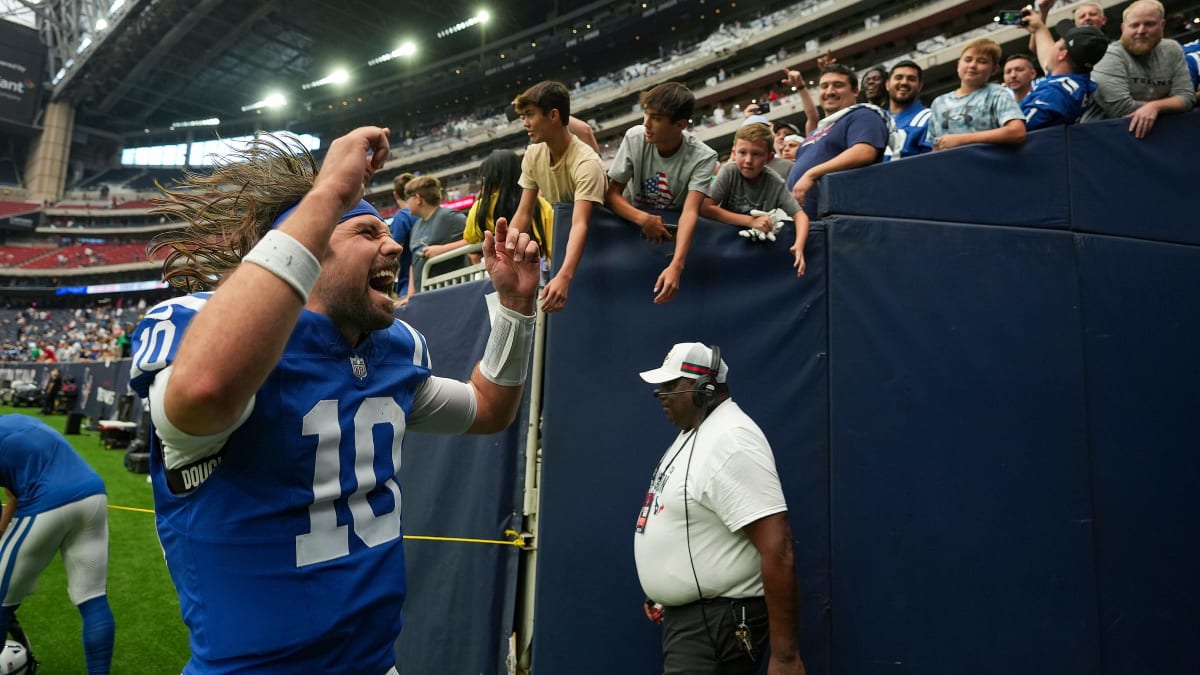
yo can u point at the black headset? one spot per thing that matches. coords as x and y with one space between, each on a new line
705 387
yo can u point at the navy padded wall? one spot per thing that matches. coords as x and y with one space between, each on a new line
961 520
603 432
1140 299
1025 185
1138 188
458 486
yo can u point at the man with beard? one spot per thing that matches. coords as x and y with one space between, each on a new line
909 114
1019 74
1142 76
281 398
850 135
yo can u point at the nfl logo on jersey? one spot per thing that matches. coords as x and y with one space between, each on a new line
358 366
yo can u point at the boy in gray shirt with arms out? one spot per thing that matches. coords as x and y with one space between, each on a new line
661 166
746 185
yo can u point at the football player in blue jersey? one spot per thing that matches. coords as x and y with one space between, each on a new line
1066 92
54 503
280 399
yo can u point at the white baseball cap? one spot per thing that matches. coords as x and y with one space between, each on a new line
686 359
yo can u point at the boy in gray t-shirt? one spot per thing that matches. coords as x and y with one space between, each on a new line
661 166
746 184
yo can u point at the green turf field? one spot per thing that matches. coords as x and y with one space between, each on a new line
151 637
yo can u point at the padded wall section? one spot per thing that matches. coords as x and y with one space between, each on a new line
961 525
458 615
603 432
1136 188
1141 342
1024 185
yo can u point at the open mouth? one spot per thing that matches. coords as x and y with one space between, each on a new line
383 281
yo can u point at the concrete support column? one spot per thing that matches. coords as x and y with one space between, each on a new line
46 171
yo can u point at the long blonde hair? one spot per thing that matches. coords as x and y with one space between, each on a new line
229 209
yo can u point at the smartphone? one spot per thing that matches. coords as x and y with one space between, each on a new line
764 107
1010 17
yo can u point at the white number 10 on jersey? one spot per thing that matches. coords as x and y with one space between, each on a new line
326 540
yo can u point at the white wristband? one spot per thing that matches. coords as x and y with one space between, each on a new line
280 254
506 356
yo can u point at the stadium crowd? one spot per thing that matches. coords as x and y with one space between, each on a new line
769 176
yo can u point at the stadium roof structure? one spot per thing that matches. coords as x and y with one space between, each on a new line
155 64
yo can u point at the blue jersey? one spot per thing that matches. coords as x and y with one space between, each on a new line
1191 53
401 228
1057 99
911 124
286 548
41 468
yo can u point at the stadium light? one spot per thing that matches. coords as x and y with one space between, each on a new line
117 5
209 122
102 24
339 76
482 17
273 100
407 48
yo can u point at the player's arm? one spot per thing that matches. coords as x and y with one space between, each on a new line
651 225
772 536
554 295
237 339
489 401
10 507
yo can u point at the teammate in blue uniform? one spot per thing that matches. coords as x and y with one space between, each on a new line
54 503
280 400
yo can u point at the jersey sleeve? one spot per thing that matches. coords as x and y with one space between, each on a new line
156 339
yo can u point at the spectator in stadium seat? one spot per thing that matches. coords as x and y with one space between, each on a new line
500 195
564 169
281 399
401 227
874 90
660 165
1065 92
1085 14
780 164
1191 51
976 112
851 135
54 503
746 184
1019 74
1142 76
437 230
910 116
791 145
